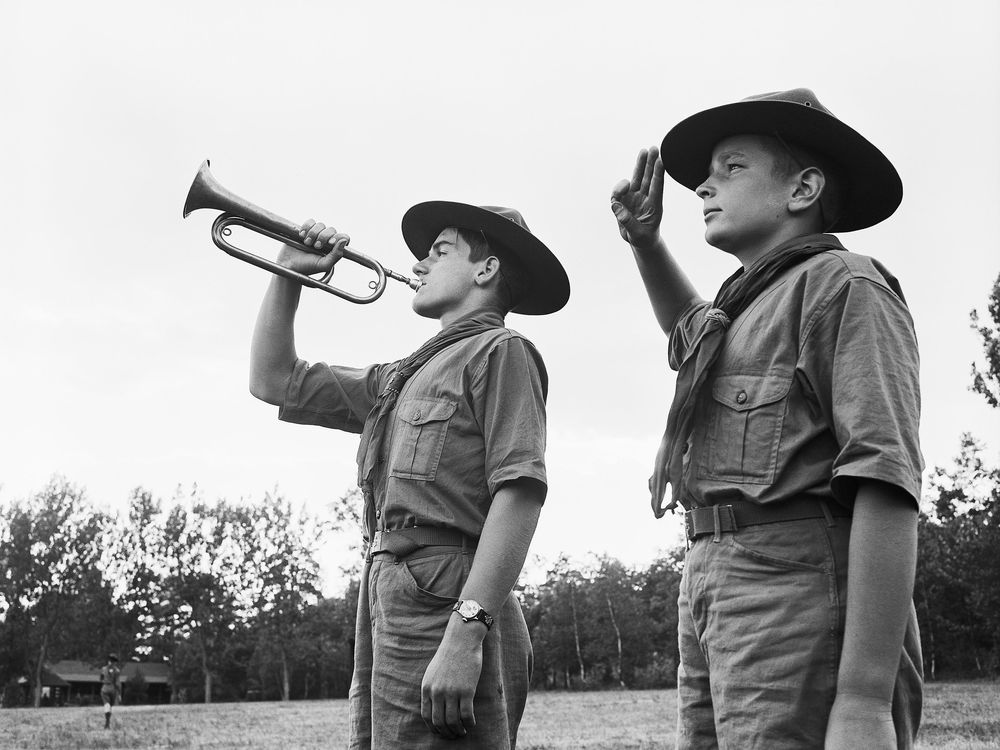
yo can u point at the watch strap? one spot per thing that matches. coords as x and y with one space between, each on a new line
481 615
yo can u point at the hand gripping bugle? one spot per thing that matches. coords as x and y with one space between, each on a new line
206 192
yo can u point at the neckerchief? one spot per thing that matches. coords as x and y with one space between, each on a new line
377 421
735 295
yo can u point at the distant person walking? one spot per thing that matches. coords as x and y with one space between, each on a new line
110 687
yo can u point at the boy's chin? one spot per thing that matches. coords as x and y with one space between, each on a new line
423 310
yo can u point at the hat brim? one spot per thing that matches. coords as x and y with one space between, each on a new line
550 286
873 191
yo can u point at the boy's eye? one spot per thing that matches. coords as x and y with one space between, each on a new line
733 166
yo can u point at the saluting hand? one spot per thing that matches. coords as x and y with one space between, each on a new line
320 237
638 204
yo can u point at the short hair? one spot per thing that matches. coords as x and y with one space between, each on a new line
791 158
515 282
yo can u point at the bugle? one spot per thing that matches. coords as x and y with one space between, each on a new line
206 192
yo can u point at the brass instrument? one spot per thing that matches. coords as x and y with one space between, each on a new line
206 192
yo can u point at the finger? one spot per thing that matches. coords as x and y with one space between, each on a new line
325 236
647 171
453 716
657 486
656 184
639 171
619 189
439 717
339 242
426 707
654 500
621 213
468 712
313 232
305 227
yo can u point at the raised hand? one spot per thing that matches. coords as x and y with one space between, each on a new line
327 241
638 203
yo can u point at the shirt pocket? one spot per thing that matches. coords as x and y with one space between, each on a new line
421 427
746 417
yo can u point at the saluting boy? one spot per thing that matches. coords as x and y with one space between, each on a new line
452 469
792 438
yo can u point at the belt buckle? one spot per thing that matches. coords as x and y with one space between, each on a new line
689 526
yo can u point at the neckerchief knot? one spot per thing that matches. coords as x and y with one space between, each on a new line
718 315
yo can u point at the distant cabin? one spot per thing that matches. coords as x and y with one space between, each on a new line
79 682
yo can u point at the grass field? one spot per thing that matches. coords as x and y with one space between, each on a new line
957 716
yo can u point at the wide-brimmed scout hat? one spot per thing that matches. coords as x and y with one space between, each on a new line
873 189
505 230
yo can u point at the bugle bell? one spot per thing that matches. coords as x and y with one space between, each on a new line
206 192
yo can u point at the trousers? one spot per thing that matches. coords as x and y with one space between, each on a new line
403 609
760 630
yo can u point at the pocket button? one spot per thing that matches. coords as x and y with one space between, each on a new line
741 397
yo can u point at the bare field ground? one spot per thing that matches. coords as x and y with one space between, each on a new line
957 716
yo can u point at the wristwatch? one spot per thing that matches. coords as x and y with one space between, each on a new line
470 610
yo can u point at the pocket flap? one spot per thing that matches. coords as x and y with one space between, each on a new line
418 411
744 392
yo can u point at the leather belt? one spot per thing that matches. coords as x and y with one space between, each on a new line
407 541
718 519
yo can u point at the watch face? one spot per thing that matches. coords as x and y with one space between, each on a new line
469 608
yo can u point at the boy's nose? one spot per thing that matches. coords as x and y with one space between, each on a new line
705 189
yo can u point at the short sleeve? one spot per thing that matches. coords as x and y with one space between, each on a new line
866 377
509 402
332 396
685 331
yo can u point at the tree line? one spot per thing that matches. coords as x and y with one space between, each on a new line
228 593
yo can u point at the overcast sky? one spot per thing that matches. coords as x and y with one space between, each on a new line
125 332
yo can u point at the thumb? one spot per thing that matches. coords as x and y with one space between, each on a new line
621 213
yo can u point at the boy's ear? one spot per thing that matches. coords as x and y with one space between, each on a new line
808 188
488 270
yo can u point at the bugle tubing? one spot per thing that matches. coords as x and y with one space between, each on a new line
206 192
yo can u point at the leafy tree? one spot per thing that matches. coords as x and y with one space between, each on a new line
133 572
660 587
987 382
957 590
51 544
284 546
206 577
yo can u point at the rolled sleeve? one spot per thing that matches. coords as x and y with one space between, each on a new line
331 396
867 366
510 408
685 331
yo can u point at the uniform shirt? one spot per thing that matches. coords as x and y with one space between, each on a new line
816 388
110 676
470 420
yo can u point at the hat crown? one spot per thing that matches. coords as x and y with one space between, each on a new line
804 97
511 214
